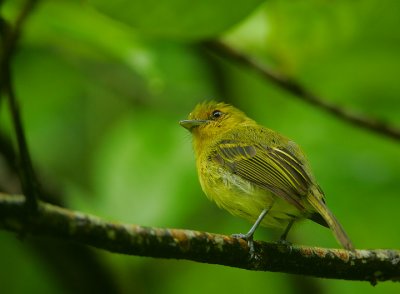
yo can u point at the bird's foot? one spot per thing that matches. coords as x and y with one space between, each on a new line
284 242
250 242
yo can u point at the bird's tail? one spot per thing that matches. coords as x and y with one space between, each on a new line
330 219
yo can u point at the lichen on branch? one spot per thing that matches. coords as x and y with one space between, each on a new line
58 222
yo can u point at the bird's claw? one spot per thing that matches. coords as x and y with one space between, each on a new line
242 236
250 242
284 242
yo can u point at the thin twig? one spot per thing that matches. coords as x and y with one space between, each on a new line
363 265
27 175
10 35
301 92
13 33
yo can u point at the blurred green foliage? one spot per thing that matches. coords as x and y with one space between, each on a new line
101 93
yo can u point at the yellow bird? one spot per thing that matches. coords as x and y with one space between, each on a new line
255 173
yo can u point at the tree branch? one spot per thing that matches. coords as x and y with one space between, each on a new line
77 269
363 265
10 35
301 92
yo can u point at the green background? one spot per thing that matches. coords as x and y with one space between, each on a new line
102 87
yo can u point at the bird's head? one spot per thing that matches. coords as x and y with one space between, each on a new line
210 119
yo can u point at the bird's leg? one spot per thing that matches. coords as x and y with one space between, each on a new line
285 233
249 235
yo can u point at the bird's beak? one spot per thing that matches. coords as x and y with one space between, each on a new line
189 124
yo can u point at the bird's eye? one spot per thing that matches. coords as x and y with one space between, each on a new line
216 114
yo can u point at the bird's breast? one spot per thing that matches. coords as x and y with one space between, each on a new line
240 197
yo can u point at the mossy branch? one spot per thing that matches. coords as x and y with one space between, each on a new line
50 220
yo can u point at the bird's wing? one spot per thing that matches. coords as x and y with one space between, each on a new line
273 168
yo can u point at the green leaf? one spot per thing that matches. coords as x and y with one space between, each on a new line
180 19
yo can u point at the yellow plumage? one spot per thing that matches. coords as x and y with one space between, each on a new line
254 172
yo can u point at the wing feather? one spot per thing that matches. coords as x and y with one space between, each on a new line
274 169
